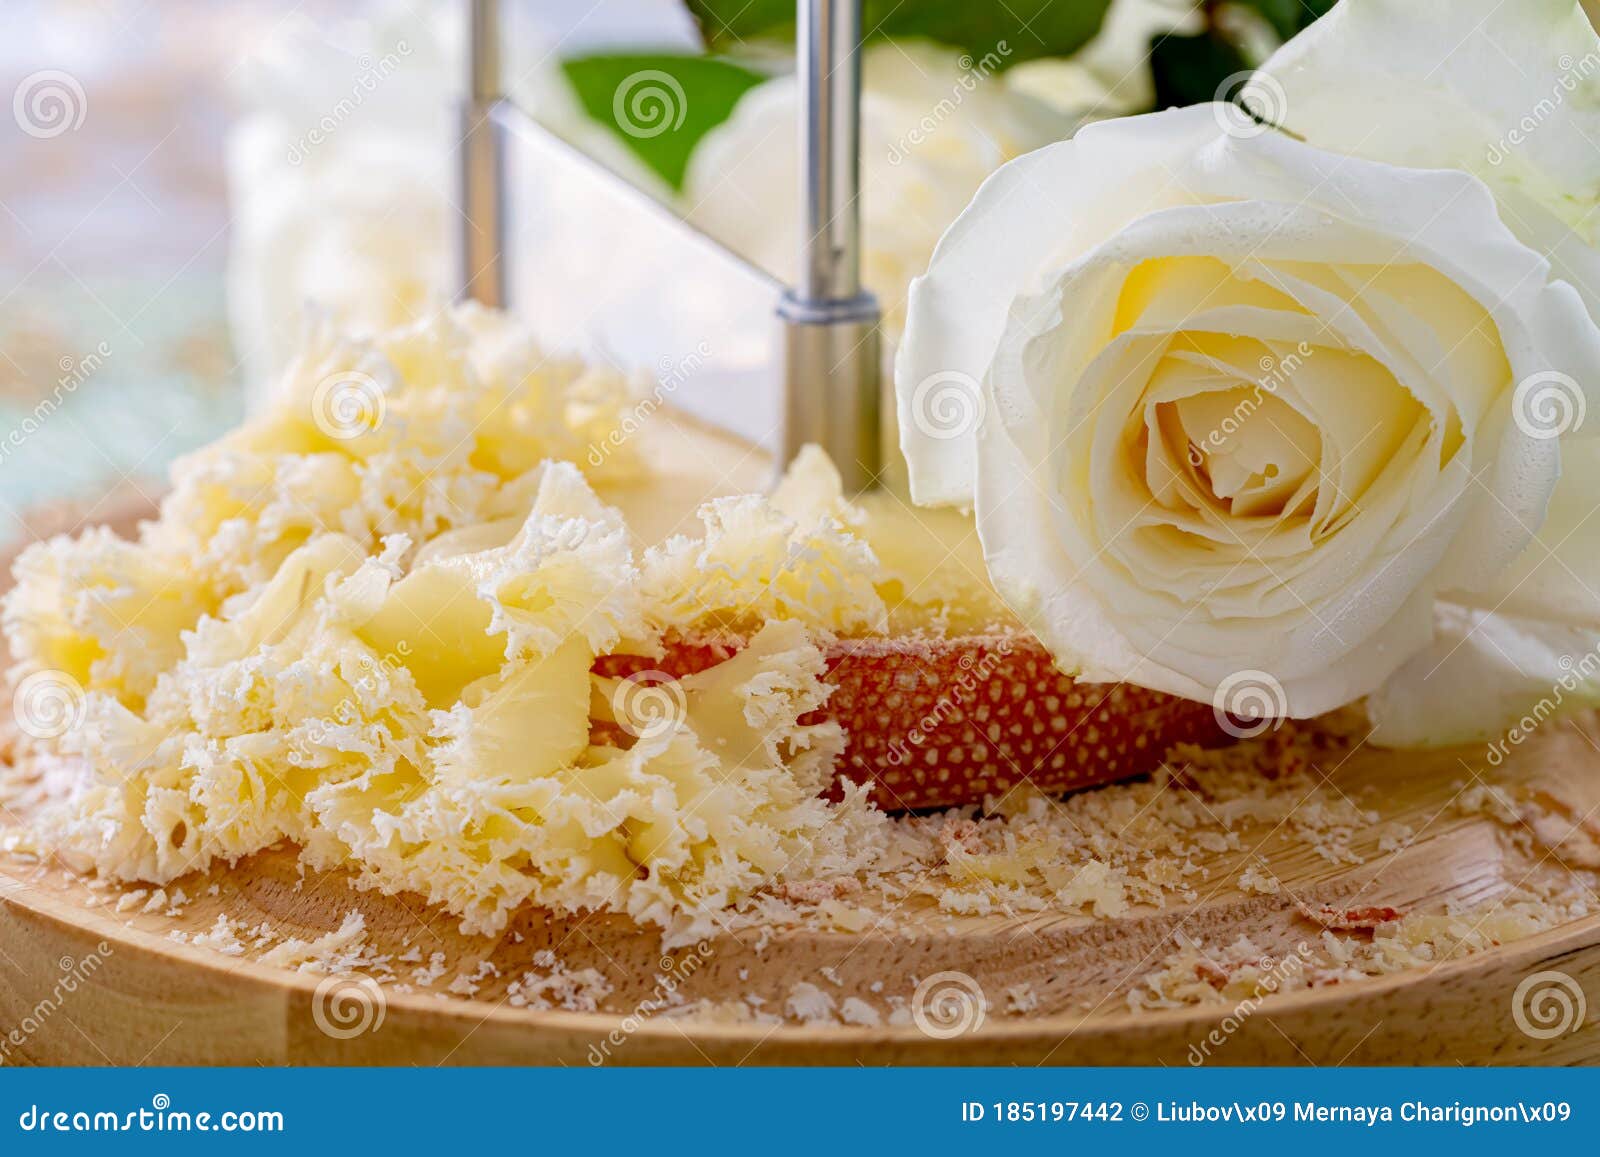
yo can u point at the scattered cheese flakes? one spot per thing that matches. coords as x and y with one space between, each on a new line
854 1010
435 969
807 1002
1257 879
1356 943
222 938
580 990
333 952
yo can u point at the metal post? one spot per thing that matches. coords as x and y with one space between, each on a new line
830 323
482 173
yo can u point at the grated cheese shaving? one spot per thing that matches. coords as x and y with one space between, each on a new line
366 625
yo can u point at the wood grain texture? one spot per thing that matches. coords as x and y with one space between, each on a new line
151 1001
140 996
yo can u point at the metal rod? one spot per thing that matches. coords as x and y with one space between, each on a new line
830 322
828 35
483 51
482 172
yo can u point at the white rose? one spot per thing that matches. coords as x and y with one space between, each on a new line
1110 76
933 126
1513 98
1232 406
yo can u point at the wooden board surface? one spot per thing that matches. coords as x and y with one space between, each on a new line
84 981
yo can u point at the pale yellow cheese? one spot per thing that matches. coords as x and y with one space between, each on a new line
794 556
367 625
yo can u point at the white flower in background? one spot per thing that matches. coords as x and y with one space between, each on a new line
342 179
934 125
1244 402
341 170
338 181
1110 76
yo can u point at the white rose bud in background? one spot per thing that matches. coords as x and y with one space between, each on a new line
1110 76
934 125
1226 402
342 168
338 182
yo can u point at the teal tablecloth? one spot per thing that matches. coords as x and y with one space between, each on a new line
106 384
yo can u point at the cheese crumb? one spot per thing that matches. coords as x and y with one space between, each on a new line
338 951
807 1002
854 1010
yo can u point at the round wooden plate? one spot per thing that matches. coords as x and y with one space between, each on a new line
146 999
84 980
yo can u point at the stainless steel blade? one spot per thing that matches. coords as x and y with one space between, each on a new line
595 265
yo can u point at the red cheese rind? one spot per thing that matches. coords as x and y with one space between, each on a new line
933 723
1363 919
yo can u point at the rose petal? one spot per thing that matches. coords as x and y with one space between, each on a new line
1515 100
1486 677
1556 575
957 310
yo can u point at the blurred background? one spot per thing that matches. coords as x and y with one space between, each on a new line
180 180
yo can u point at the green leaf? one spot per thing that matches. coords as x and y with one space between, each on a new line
1014 31
1313 10
659 105
1283 15
1288 17
1194 69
